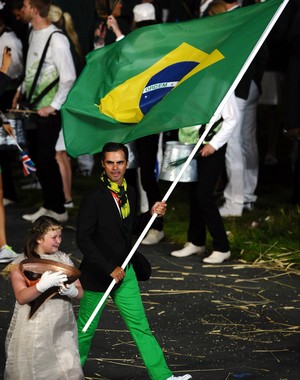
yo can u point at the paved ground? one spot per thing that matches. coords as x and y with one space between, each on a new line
231 321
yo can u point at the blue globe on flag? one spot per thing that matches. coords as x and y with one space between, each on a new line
163 82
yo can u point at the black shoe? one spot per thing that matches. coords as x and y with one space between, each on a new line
248 206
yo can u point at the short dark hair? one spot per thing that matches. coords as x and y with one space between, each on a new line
16 4
42 6
114 147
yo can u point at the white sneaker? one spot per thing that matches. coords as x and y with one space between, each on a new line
7 202
69 204
153 237
217 257
59 217
7 254
32 217
184 377
43 211
188 250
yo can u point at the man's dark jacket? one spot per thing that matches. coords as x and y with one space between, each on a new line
103 237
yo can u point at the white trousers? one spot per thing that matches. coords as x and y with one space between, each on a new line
242 155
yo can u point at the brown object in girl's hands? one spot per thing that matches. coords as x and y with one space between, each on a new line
32 270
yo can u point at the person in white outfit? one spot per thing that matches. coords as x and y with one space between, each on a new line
242 160
46 93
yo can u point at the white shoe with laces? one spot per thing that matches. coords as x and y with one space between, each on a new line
184 377
153 237
32 217
217 257
188 250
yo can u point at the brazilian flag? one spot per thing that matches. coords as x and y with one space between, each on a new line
160 78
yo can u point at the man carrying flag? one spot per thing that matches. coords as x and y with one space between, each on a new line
106 220
139 87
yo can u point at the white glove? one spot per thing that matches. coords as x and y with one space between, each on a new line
50 279
68 290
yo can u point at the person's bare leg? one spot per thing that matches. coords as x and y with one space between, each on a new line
66 173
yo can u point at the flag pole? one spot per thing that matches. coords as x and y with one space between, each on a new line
194 151
16 143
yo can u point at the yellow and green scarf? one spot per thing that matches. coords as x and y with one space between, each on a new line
120 191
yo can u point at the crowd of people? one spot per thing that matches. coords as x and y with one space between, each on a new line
42 49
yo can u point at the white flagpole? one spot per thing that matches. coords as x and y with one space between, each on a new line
194 151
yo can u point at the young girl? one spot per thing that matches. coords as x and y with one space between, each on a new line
45 345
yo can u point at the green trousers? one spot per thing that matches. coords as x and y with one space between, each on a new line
128 300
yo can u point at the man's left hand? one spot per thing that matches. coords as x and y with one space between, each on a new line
159 208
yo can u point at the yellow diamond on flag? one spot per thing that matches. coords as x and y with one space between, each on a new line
130 101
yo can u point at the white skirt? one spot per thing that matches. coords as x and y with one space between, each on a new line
60 143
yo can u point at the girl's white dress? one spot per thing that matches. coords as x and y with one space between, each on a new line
44 347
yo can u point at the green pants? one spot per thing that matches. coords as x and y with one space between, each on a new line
128 300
